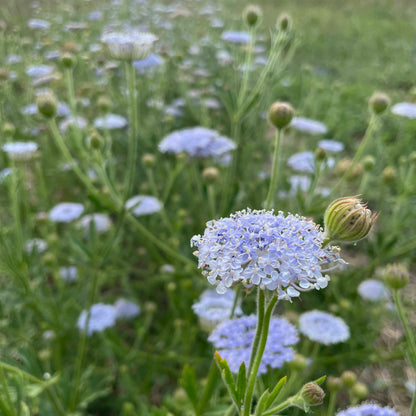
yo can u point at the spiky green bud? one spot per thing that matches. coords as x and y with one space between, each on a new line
379 102
281 114
396 275
252 15
47 104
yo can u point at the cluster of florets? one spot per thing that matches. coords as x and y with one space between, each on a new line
257 248
324 328
197 142
368 409
233 340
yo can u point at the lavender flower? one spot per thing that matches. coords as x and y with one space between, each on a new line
148 63
331 146
21 151
37 71
38 24
305 125
101 317
132 45
69 274
36 246
282 254
233 340
404 109
197 142
66 212
372 290
102 222
126 309
236 37
143 205
110 122
369 409
323 327
213 308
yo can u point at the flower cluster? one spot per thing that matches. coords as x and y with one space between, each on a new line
143 205
324 328
21 151
233 341
213 308
279 253
368 410
131 45
197 142
66 212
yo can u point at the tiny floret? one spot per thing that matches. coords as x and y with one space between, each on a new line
257 248
324 328
233 340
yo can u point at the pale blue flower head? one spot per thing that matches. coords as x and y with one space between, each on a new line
68 274
197 142
331 146
257 248
35 246
306 125
233 340
129 45
143 205
39 24
369 409
236 37
101 316
405 110
324 328
213 308
110 122
126 309
149 63
66 212
372 290
37 71
21 151
102 222
302 162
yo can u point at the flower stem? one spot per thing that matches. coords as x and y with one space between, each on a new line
275 167
257 359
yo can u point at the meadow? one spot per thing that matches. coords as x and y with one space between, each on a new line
207 208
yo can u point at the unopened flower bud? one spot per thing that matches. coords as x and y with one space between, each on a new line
379 102
349 378
128 409
252 15
148 160
396 275
368 163
47 104
284 22
210 174
4 74
104 103
320 154
359 390
335 384
281 114
298 363
347 219
312 394
344 166
68 60
8 129
389 175
95 140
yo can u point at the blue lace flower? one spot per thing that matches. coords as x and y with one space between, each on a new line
276 252
233 340
369 409
372 290
197 142
101 316
324 328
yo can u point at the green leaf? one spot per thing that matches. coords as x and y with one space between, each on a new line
241 383
227 378
262 403
320 380
276 391
188 382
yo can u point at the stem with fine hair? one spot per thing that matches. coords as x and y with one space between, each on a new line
275 167
248 398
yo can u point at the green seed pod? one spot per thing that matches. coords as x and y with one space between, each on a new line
389 175
47 104
210 174
368 163
335 384
359 390
281 114
284 22
379 102
299 363
68 60
396 275
347 219
252 15
349 378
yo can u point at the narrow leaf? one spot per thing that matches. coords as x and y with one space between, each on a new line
227 378
241 382
189 384
277 389
320 380
262 403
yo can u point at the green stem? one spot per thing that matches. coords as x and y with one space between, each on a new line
331 405
209 386
409 334
247 66
211 200
275 167
259 328
82 346
259 354
7 410
282 406
133 142
413 407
